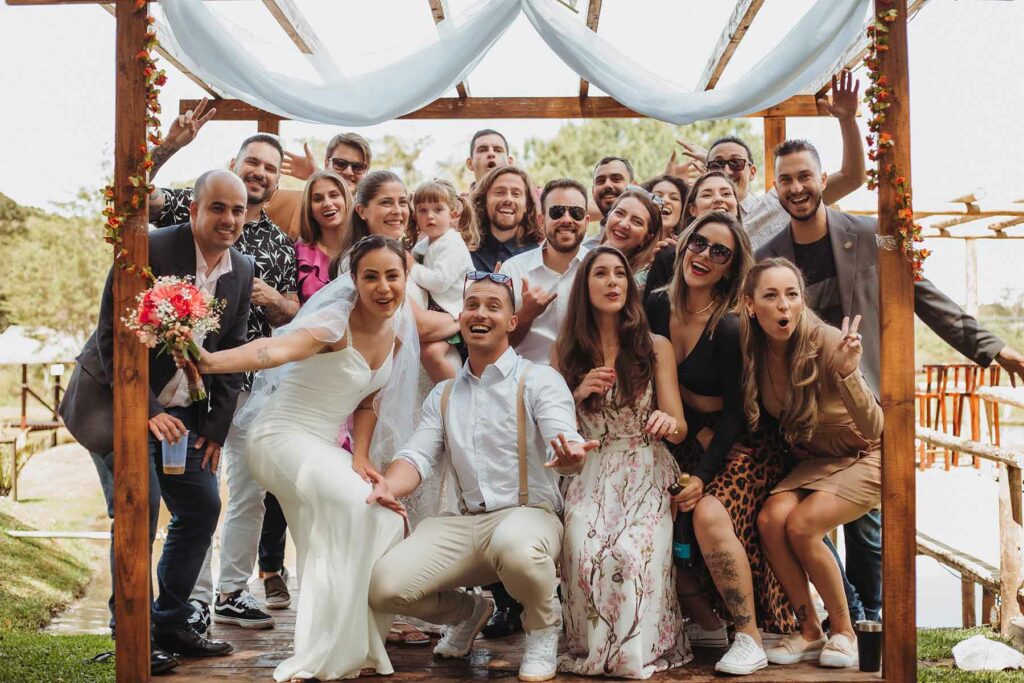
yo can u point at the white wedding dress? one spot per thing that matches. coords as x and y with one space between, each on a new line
293 452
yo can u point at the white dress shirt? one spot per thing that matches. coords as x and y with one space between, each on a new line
175 392
480 441
763 217
536 345
446 261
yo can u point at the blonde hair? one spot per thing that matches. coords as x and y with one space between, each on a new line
444 192
799 414
309 229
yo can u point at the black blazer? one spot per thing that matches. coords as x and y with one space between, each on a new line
88 403
855 248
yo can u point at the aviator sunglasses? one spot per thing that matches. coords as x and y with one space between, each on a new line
497 278
339 165
735 165
577 213
718 253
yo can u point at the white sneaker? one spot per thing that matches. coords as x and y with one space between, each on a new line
793 648
839 652
540 660
700 637
743 658
458 639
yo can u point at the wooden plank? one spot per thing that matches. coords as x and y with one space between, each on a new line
508 108
1005 456
439 10
269 125
739 21
968 566
131 366
295 25
593 17
774 135
896 315
1013 396
1011 546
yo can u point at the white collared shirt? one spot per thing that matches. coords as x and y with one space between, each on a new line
536 345
763 217
175 392
480 437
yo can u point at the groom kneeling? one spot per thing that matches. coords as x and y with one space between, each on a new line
492 424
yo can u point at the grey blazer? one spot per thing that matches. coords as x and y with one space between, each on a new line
855 249
88 403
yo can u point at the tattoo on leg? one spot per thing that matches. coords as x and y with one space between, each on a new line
801 614
263 357
723 569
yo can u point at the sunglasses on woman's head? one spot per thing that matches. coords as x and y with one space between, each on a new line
577 213
340 165
718 253
658 201
496 278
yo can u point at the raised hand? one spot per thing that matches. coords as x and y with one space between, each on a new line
299 166
381 494
687 170
185 127
569 455
597 381
662 244
660 424
845 91
850 348
695 152
535 301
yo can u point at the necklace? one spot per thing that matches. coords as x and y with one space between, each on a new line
701 311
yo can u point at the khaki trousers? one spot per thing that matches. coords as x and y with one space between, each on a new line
518 546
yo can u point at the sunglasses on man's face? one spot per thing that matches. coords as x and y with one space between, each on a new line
496 278
718 253
735 165
577 213
341 165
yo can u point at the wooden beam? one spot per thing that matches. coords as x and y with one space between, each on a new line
896 315
742 17
774 135
510 108
131 367
439 10
269 125
296 26
593 16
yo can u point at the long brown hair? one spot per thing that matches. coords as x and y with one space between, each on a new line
368 188
578 347
528 229
644 255
727 290
800 403
691 197
443 192
309 228
680 185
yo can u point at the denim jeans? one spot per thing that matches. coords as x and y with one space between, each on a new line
862 575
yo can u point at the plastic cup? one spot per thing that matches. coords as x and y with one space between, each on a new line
869 645
174 454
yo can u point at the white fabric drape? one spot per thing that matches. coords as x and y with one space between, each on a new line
811 47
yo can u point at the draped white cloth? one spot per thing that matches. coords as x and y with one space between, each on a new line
811 47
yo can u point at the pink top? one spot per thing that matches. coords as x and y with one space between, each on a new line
312 266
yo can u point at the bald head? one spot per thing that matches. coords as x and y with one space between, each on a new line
203 182
217 212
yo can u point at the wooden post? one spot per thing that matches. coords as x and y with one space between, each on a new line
968 618
988 607
896 313
774 135
131 368
269 125
24 396
1011 537
971 255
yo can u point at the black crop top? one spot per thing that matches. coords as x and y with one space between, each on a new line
714 368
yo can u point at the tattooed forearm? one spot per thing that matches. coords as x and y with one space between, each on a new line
263 357
160 156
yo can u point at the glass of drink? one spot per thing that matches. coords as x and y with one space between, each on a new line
869 645
174 454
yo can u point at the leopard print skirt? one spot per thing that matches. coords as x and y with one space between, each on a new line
742 486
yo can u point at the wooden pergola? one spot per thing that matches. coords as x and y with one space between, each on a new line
131 539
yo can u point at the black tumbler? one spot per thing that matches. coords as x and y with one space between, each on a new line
869 645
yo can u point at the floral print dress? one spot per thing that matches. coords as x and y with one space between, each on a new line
621 612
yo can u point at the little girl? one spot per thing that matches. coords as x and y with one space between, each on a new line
441 260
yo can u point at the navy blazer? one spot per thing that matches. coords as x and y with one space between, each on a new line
87 405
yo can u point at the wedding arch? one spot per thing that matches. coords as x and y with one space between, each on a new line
831 35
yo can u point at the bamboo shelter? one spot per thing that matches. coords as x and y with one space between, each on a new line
132 561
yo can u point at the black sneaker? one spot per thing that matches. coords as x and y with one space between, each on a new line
504 622
241 609
200 619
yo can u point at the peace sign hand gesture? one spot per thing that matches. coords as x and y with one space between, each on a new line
185 127
850 349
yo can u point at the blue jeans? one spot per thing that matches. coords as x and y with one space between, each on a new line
862 576
194 503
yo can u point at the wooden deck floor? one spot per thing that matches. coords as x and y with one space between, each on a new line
256 654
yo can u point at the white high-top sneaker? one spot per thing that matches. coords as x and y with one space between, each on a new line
457 640
540 660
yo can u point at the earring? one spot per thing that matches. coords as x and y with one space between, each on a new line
753 315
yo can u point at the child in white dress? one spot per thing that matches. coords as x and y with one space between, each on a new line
443 230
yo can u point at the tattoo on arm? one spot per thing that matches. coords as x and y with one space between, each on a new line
160 156
263 357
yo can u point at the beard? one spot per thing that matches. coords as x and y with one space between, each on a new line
802 212
560 246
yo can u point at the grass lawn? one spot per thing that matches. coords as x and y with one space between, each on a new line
935 658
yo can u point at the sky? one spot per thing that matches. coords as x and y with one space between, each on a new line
57 72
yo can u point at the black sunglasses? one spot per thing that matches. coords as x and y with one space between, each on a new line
577 213
718 253
496 278
340 165
733 164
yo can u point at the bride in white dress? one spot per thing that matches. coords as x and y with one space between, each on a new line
351 351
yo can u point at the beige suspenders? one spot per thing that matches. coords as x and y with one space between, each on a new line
524 491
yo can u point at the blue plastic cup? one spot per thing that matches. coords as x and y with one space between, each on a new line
174 454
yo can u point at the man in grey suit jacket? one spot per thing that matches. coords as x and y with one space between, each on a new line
838 254
202 250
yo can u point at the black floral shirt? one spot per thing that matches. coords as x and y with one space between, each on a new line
271 251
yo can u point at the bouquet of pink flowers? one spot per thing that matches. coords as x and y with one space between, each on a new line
172 314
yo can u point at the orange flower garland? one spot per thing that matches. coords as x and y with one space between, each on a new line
117 215
878 98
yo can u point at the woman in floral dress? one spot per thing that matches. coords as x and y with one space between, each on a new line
621 613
